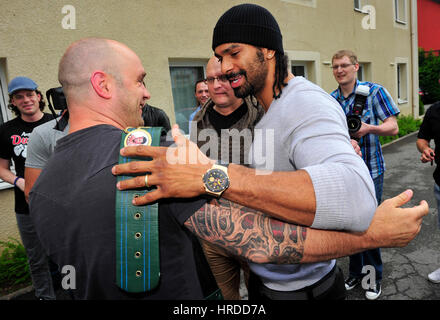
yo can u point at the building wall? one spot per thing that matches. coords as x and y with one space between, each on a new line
8 223
32 39
428 24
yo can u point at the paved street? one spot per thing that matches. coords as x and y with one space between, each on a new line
406 269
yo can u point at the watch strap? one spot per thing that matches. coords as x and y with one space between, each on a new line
137 227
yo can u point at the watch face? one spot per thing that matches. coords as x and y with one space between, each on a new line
216 180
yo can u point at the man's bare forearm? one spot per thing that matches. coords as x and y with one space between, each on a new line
248 233
388 128
422 144
261 239
5 172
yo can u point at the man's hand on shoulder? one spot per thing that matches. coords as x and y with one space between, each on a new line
175 171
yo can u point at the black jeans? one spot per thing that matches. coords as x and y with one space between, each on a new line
336 291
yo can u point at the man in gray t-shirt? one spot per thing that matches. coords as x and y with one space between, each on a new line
41 145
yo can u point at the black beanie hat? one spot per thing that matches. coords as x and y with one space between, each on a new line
250 24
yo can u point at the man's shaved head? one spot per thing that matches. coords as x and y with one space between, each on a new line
213 64
85 56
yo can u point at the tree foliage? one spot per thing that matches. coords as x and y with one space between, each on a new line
429 75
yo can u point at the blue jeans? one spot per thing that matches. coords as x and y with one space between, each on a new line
437 197
370 257
37 258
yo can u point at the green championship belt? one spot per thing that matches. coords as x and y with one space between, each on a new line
137 227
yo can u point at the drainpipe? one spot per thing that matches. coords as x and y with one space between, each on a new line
415 60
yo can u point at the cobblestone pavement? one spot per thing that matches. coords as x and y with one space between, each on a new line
406 269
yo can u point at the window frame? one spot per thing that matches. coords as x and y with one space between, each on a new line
5 112
310 59
305 3
296 63
365 68
396 12
359 7
185 63
402 87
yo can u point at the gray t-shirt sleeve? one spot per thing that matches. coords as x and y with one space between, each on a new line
38 151
41 144
344 190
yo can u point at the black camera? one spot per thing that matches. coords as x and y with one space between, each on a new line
354 122
56 96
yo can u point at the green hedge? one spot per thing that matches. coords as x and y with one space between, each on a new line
429 71
407 125
14 268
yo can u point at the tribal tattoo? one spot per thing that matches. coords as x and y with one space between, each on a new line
248 233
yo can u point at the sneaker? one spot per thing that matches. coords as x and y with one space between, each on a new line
434 276
351 282
373 293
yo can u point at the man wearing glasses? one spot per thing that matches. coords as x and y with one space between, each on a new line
230 121
379 106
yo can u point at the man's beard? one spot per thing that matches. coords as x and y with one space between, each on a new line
258 70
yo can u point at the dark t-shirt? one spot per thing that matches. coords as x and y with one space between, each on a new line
220 121
14 137
73 207
430 129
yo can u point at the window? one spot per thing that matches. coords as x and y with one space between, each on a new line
402 83
360 75
300 69
400 11
306 64
184 76
307 3
5 114
359 4
364 72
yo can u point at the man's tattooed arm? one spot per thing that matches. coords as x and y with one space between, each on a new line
248 233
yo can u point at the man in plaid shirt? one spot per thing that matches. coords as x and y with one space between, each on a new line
379 107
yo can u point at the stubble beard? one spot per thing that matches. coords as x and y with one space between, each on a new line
255 83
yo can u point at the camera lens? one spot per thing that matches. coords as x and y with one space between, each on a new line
354 124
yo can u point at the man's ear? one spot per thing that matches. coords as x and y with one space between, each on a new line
268 53
356 67
101 84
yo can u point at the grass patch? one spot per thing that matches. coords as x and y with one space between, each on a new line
407 125
14 268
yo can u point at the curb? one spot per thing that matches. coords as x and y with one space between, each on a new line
401 138
17 293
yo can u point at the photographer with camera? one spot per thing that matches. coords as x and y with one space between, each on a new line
365 104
